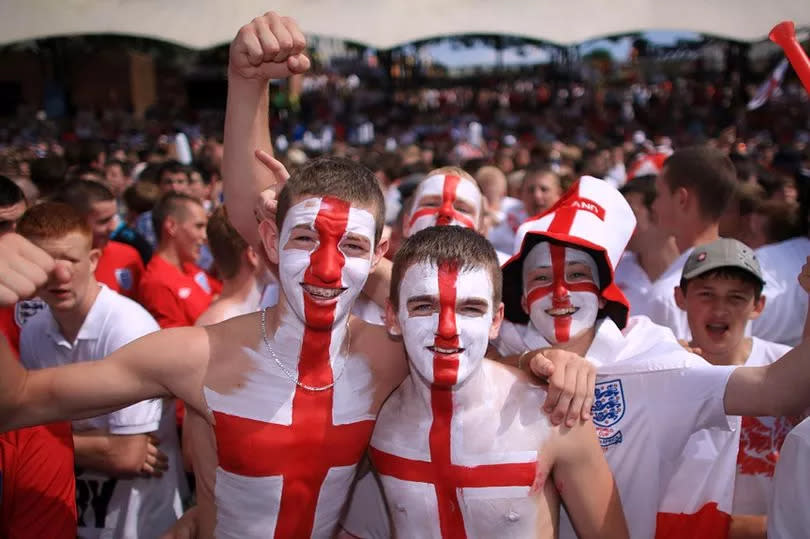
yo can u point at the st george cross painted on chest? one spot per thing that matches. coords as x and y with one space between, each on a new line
289 439
453 446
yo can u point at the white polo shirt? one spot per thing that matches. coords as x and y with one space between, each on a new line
113 507
782 320
788 517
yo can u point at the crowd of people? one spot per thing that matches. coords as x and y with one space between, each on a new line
438 313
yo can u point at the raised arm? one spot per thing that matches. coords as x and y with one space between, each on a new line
586 484
779 389
269 47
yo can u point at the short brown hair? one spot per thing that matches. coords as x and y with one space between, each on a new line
171 205
141 196
82 194
227 246
52 220
338 177
706 172
440 244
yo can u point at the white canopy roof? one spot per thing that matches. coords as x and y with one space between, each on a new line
386 23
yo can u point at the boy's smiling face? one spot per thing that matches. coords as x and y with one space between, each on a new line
446 317
326 251
718 308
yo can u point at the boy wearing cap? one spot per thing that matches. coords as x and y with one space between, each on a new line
720 292
651 395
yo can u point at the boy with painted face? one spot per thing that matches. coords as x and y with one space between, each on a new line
460 444
644 378
448 196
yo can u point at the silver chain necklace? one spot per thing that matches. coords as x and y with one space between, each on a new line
287 372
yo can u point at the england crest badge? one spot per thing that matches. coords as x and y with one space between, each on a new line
202 281
124 278
608 409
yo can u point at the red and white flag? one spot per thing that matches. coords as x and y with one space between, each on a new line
769 86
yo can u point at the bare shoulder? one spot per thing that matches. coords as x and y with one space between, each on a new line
518 386
233 334
384 353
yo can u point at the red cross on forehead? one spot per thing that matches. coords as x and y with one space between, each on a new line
446 213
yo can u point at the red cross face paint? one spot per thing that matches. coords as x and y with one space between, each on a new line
326 247
561 287
442 200
445 314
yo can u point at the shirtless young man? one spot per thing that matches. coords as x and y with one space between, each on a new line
282 402
460 444
651 395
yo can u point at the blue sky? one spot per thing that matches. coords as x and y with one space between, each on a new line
481 55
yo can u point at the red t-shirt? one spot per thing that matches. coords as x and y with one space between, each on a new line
120 267
37 485
10 328
176 298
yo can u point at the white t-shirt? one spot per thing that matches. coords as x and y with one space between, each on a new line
651 395
631 278
661 307
782 320
732 469
509 218
760 441
112 507
788 517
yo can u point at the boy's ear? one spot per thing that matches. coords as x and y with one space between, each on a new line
680 298
95 255
379 252
497 320
392 320
759 306
683 197
268 233
523 304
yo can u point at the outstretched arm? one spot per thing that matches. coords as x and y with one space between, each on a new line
166 363
585 483
779 389
269 47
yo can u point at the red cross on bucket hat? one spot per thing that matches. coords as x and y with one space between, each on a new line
592 216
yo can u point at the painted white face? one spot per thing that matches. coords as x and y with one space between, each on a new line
561 291
445 315
326 249
442 200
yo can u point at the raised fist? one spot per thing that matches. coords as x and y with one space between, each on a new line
268 47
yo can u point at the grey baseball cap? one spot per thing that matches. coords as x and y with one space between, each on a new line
722 253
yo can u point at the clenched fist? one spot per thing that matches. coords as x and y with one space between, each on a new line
268 47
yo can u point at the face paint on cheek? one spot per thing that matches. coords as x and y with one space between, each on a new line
450 187
562 310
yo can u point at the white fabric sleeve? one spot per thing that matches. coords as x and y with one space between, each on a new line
691 399
138 418
788 515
